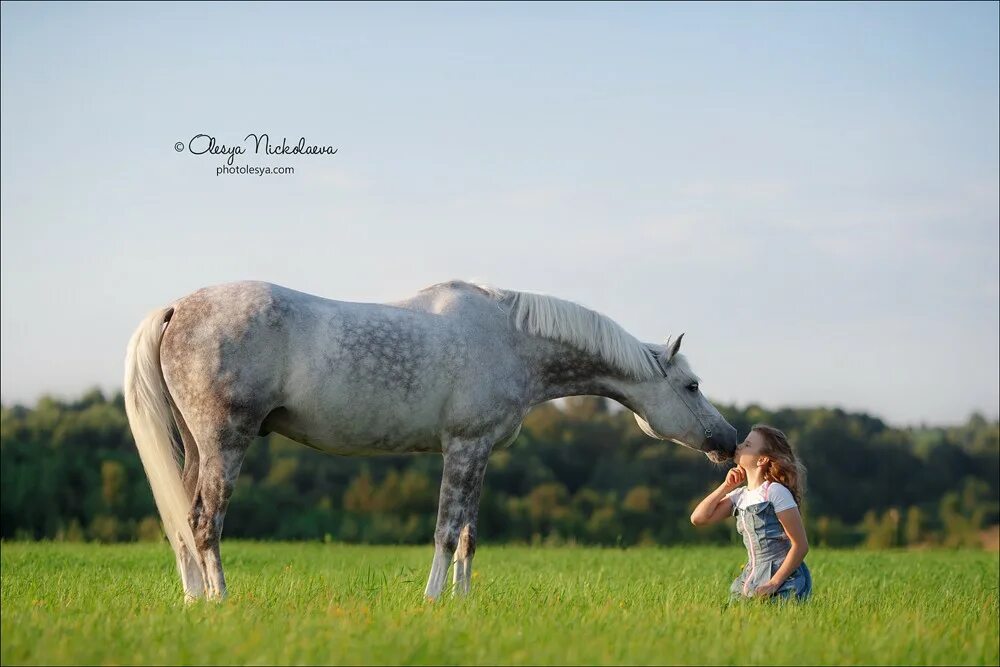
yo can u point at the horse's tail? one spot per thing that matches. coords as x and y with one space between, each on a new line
148 410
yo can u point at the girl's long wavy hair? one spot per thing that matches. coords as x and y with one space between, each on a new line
783 466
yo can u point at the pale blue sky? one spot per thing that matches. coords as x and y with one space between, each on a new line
810 192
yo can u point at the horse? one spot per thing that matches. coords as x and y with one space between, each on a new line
452 370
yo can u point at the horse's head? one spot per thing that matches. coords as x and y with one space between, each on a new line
673 408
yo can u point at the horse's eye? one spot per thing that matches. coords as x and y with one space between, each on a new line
693 386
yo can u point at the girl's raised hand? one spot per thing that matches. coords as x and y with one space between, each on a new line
735 477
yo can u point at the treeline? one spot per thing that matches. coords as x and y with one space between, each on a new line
580 473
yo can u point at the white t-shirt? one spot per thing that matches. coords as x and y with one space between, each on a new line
777 493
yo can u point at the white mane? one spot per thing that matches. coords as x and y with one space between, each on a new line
584 329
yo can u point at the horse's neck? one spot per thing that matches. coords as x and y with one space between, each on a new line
557 370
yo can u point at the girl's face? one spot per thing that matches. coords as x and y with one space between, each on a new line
749 453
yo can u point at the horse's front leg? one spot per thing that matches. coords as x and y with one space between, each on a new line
458 507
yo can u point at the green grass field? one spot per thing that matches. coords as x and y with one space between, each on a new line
315 603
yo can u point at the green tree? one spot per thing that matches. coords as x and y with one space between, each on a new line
113 484
914 531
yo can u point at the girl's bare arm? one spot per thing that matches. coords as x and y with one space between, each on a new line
716 507
791 521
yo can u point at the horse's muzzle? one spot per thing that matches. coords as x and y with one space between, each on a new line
720 445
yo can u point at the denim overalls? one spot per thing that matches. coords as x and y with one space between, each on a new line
767 545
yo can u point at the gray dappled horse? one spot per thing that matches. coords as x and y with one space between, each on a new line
454 369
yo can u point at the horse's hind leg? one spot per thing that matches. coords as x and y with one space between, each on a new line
221 455
187 562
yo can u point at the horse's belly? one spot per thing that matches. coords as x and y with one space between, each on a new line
351 436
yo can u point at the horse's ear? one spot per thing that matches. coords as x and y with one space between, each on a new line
673 348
